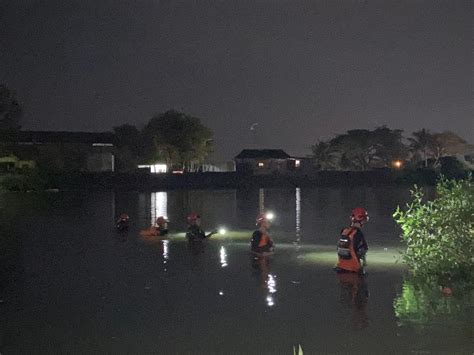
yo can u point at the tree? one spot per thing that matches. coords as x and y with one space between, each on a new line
438 233
10 110
447 144
422 143
388 145
324 156
180 139
361 149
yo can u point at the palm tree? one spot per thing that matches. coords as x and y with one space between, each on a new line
323 156
422 141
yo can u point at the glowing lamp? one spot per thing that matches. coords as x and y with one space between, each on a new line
397 164
269 216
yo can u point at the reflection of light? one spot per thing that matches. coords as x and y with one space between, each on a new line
165 250
270 301
271 283
223 256
298 212
159 205
221 293
269 216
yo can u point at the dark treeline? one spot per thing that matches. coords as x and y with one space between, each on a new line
362 149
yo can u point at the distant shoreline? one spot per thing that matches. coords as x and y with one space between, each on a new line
213 180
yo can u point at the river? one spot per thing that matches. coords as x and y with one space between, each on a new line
72 284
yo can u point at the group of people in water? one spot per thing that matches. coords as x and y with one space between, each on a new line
351 247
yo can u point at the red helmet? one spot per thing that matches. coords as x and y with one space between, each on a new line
161 220
260 219
359 214
124 216
193 217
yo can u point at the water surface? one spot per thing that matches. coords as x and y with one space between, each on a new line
72 284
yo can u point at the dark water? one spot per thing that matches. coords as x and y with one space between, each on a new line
71 284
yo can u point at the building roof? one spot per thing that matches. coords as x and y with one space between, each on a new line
65 137
262 154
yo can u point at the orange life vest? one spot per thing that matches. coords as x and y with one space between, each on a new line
264 240
348 259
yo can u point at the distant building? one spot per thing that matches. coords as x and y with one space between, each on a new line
72 151
11 163
218 167
158 168
265 161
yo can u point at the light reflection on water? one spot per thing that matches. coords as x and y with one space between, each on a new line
81 284
165 250
223 256
303 215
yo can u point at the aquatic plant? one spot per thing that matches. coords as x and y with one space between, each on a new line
439 234
298 351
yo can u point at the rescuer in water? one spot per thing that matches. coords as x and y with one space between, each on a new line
195 233
261 243
158 229
123 222
352 246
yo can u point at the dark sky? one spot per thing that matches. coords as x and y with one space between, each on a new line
304 70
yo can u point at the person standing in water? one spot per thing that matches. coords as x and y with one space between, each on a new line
158 229
195 233
261 242
123 222
352 246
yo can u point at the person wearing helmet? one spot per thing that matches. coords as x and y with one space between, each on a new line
352 246
195 233
122 223
261 243
158 229
161 226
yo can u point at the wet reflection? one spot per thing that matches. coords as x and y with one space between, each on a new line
267 281
298 214
423 302
223 256
158 205
354 295
165 250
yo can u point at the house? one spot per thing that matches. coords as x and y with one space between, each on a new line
265 161
218 167
73 151
12 163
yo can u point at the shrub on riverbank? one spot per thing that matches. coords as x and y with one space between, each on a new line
439 234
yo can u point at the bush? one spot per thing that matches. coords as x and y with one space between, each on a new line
439 234
452 168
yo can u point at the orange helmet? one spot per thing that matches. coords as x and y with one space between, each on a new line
161 220
124 216
193 217
359 214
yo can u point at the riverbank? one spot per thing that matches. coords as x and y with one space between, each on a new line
38 181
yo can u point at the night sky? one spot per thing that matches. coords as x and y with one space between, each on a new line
304 70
